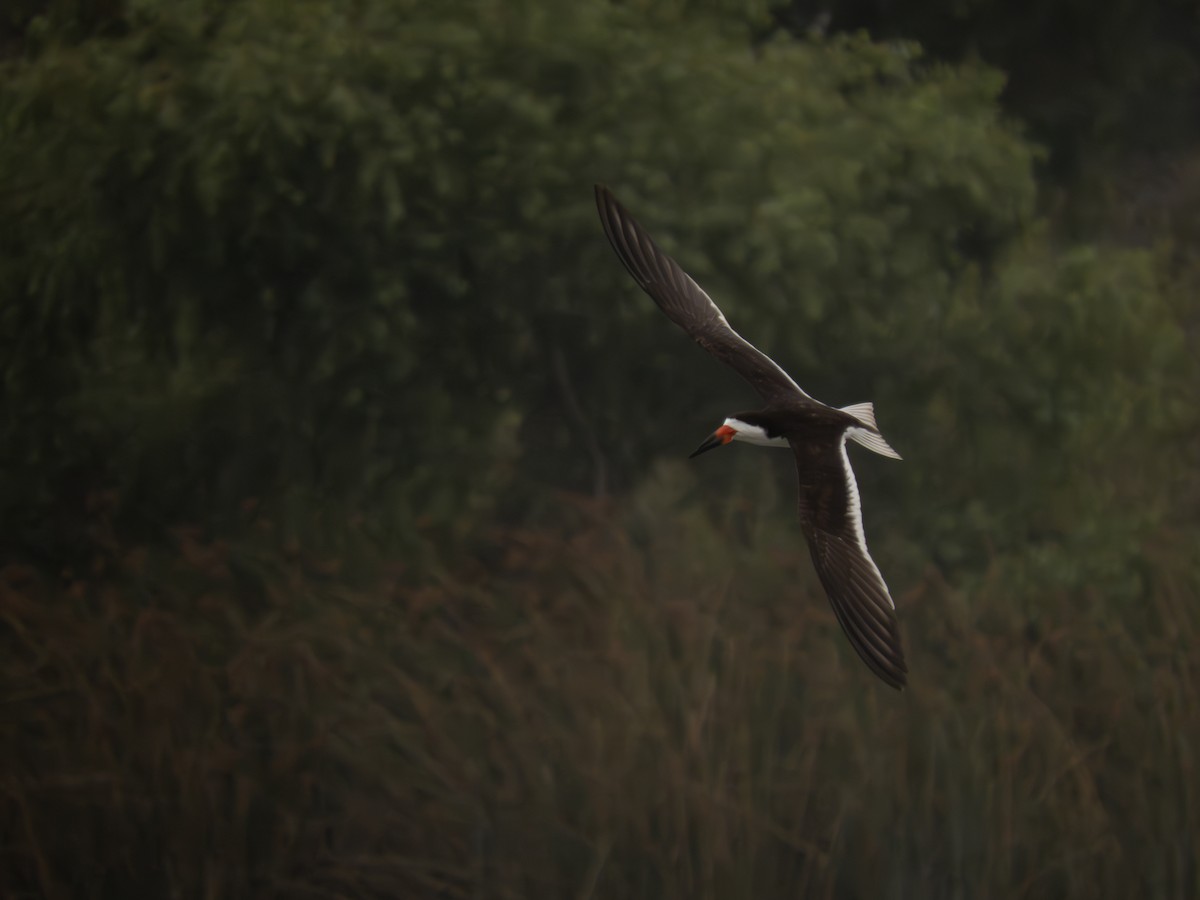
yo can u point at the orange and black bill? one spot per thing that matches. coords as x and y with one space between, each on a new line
718 438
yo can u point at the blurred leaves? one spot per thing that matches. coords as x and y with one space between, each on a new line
346 256
334 244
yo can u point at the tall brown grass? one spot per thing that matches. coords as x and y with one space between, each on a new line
646 702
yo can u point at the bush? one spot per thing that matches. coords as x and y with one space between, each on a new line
351 255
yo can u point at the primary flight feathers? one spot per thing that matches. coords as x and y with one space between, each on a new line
830 512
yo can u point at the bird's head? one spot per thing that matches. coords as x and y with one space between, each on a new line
751 427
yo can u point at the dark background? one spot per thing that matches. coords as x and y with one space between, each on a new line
348 547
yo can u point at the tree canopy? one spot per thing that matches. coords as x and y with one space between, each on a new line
254 250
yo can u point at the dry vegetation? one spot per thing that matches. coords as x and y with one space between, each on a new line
642 703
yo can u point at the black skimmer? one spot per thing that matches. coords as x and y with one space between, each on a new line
830 512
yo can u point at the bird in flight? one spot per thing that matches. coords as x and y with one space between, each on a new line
830 512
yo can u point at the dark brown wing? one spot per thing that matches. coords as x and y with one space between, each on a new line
686 304
831 517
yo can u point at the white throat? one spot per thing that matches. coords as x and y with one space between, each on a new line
753 434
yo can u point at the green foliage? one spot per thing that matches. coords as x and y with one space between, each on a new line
1040 391
254 248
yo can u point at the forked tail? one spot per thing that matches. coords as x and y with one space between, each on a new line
869 436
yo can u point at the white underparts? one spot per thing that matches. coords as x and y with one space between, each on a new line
753 434
854 512
864 412
869 437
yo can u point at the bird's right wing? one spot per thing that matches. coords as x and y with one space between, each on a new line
831 517
686 304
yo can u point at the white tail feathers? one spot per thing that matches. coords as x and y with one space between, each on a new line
864 412
869 437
